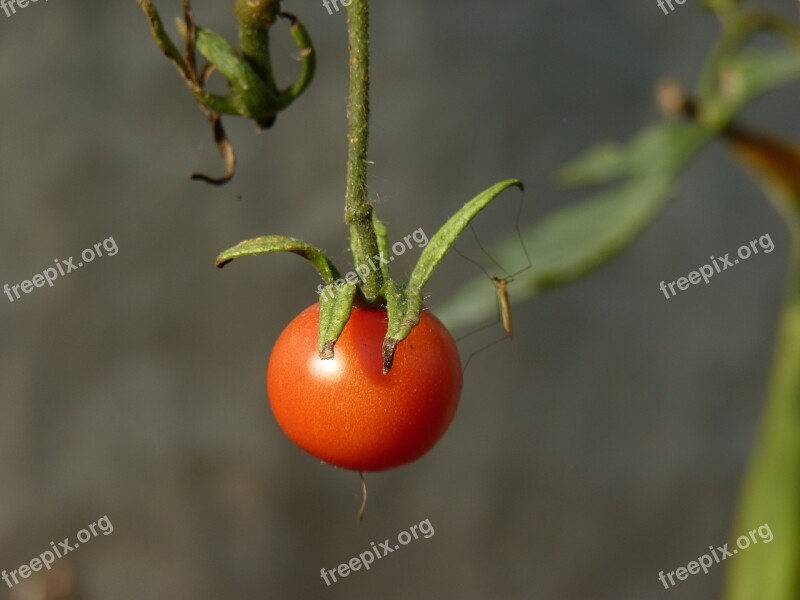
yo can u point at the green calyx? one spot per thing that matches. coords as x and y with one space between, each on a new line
370 284
252 91
403 302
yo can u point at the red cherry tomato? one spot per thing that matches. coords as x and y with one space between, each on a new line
345 411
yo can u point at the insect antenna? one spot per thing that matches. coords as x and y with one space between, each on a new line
479 350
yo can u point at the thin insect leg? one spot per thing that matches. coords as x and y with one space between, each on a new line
479 329
363 508
486 252
521 240
494 281
473 261
508 276
469 358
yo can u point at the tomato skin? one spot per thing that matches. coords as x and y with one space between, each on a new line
345 411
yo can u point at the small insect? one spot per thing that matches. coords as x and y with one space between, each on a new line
505 306
501 287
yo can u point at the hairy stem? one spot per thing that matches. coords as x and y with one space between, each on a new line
358 211
255 18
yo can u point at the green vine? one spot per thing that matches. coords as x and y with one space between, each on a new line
358 211
403 302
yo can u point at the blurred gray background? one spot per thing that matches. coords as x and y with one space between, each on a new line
601 446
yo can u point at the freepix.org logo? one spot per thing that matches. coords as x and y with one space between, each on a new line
10 6
335 3
706 561
722 263
46 559
384 548
63 267
361 272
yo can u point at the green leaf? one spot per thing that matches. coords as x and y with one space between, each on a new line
771 494
577 240
722 5
443 240
253 96
278 243
308 59
403 308
383 244
658 150
334 312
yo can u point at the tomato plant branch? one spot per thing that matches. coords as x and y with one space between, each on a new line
252 91
358 211
252 86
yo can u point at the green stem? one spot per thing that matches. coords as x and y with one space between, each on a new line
255 19
358 211
771 494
